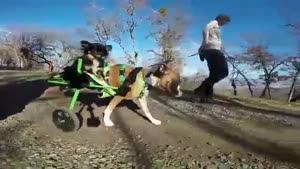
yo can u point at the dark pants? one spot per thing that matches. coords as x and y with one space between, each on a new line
218 70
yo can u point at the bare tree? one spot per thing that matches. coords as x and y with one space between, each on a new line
237 63
32 47
10 49
293 68
294 61
60 53
169 28
43 48
37 46
263 60
116 26
7 59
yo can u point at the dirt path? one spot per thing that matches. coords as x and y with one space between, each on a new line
272 134
192 135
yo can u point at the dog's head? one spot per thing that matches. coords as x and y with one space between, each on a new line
165 79
95 49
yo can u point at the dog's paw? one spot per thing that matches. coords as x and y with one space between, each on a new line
156 122
108 123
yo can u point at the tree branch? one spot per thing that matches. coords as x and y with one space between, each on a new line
154 52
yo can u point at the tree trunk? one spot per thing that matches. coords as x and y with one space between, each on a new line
292 89
269 92
266 89
245 78
291 93
248 83
263 93
234 87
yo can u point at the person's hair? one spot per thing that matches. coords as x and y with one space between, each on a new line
223 18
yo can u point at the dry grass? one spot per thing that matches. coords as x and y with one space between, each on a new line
279 101
263 103
7 76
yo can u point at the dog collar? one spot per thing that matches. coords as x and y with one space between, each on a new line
148 82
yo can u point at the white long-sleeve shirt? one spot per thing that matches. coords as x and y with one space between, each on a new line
212 36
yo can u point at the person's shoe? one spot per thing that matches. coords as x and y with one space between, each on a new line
201 92
201 88
210 93
203 100
196 91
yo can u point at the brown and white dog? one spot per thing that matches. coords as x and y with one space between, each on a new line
161 77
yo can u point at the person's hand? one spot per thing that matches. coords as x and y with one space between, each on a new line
202 47
201 55
223 49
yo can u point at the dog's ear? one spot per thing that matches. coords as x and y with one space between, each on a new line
84 43
108 47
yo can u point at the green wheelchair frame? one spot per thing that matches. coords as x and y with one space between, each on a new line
95 83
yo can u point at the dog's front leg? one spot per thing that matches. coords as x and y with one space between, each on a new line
143 102
111 106
95 66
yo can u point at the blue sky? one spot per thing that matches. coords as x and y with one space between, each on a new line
248 17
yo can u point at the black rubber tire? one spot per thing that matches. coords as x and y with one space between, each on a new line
66 121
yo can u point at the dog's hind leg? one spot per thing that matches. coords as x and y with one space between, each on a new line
144 106
111 106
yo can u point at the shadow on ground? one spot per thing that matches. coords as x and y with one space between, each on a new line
16 95
235 135
9 136
230 103
88 99
142 158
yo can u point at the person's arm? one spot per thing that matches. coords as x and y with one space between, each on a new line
223 49
204 37
204 41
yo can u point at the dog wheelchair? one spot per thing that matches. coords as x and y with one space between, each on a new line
73 79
